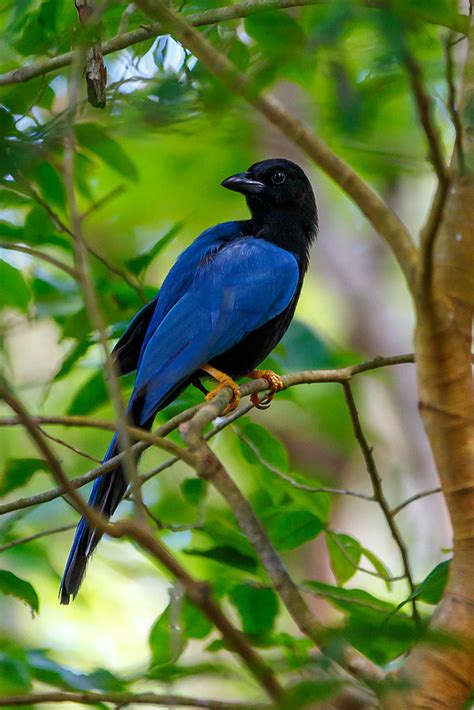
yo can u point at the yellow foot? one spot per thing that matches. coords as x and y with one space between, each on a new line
224 381
275 385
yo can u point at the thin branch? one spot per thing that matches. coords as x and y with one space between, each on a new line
209 468
63 227
75 449
379 214
298 378
379 495
198 592
458 23
124 699
424 105
108 197
36 536
413 498
88 290
297 484
453 104
37 254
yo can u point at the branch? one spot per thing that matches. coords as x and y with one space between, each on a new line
383 220
36 536
424 104
37 254
123 699
458 23
198 592
379 495
453 104
412 499
82 268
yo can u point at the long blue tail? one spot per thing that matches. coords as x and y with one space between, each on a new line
107 492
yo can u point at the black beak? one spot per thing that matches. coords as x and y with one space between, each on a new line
242 182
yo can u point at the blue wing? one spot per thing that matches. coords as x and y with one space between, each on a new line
131 346
237 289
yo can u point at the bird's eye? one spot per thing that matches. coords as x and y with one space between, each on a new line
278 177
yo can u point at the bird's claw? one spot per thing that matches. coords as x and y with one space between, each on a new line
223 381
275 384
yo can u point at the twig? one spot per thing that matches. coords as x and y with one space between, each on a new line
90 297
36 536
453 105
63 227
296 484
423 103
37 254
76 450
379 214
111 195
123 699
458 23
413 498
379 495
198 592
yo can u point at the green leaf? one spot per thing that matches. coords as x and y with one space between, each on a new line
378 565
290 529
17 472
74 354
194 490
51 184
14 674
431 589
45 670
276 34
12 585
39 227
227 555
166 640
91 396
9 230
140 263
257 607
347 599
97 140
13 289
195 624
344 554
256 438
307 693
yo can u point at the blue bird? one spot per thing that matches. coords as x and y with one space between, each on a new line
223 307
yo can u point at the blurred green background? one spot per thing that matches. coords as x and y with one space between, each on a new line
168 136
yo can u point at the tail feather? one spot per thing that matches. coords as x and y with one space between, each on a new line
106 494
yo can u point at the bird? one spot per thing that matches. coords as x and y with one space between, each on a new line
222 308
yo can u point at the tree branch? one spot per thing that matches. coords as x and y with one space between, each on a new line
379 495
381 217
37 254
459 23
123 699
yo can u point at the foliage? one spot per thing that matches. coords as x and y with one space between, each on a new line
147 174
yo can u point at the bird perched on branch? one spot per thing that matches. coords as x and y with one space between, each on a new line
223 307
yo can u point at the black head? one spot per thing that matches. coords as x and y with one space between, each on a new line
277 190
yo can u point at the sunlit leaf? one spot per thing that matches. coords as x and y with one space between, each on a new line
290 529
12 585
344 554
90 396
13 289
257 607
17 473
